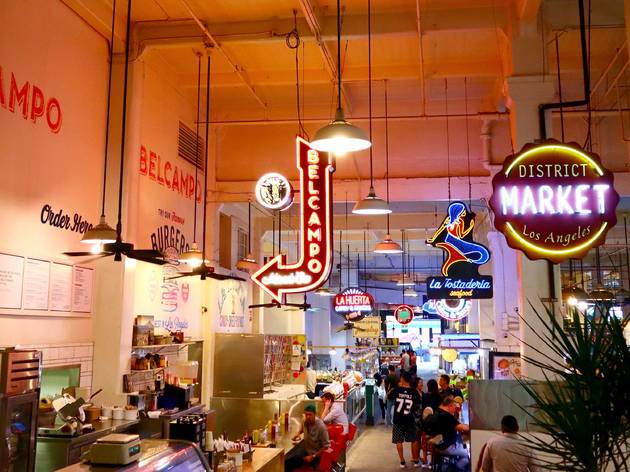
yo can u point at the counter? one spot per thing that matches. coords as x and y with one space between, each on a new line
54 452
157 428
265 460
285 392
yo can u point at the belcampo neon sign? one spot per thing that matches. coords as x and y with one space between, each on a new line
554 201
312 269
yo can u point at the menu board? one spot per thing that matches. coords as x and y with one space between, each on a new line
11 273
82 285
60 287
36 284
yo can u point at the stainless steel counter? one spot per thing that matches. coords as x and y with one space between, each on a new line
54 452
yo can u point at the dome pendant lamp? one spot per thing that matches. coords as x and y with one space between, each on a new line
102 233
371 205
340 136
193 256
387 245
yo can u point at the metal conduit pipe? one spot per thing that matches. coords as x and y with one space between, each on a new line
486 143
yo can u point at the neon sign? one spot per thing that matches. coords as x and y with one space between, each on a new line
460 268
273 191
554 201
353 303
403 314
453 310
312 268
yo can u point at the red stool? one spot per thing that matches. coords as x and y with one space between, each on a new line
352 430
334 431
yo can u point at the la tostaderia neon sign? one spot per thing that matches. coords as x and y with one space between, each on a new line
554 201
312 268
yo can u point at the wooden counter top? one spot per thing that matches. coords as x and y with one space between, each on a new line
265 459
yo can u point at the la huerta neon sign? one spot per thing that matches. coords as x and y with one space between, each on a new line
461 277
554 201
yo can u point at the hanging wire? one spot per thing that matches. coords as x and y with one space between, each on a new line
197 145
293 41
279 232
403 265
448 140
386 152
467 141
370 85
205 170
588 143
559 88
109 92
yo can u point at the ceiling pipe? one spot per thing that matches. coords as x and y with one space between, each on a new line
486 143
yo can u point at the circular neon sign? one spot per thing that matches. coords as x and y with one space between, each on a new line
453 310
404 314
273 191
554 201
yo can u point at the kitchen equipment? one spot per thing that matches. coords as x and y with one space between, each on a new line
175 396
189 428
117 413
20 375
107 412
92 413
131 414
115 449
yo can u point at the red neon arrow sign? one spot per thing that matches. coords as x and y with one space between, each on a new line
312 269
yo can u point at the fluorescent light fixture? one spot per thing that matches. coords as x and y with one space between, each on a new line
371 205
340 136
102 233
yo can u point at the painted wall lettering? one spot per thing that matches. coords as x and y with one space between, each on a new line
66 221
164 172
27 99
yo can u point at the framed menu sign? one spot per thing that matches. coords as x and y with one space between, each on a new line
505 365
60 287
36 284
11 274
82 286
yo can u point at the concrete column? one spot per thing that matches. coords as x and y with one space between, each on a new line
526 94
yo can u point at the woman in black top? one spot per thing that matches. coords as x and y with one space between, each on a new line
432 397
381 401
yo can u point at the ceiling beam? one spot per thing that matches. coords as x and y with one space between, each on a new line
528 9
423 89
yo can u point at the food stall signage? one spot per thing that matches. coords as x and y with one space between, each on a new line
312 268
403 314
274 191
353 303
554 201
453 310
388 342
460 269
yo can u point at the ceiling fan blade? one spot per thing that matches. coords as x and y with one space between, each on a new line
179 276
264 305
213 275
82 254
343 328
145 253
150 260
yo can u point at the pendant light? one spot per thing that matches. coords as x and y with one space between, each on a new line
102 233
387 245
340 136
324 292
248 263
409 291
371 205
193 256
573 294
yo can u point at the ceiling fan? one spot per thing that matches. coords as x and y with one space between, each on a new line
304 306
119 247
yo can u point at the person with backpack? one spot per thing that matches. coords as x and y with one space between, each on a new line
406 403
391 382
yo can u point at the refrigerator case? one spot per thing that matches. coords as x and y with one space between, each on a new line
20 374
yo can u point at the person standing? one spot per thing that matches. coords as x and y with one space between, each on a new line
380 392
405 361
315 442
445 388
413 361
406 402
508 453
391 382
432 397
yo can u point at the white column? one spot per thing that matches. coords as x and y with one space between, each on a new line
526 94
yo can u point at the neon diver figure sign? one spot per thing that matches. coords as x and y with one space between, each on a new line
277 277
554 201
461 277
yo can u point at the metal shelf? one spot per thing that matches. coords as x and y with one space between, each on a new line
163 346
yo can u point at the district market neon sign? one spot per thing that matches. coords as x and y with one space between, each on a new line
554 201
312 268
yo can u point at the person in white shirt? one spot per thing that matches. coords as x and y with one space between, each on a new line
405 361
333 412
508 452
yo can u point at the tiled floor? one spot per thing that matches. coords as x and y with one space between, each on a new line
373 451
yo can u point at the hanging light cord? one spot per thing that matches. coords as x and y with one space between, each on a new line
249 227
370 84
123 124
339 54
205 164
109 91
293 41
448 140
386 153
467 141
559 88
403 267
197 147
625 231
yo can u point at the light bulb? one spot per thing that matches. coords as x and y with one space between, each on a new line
96 248
572 301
